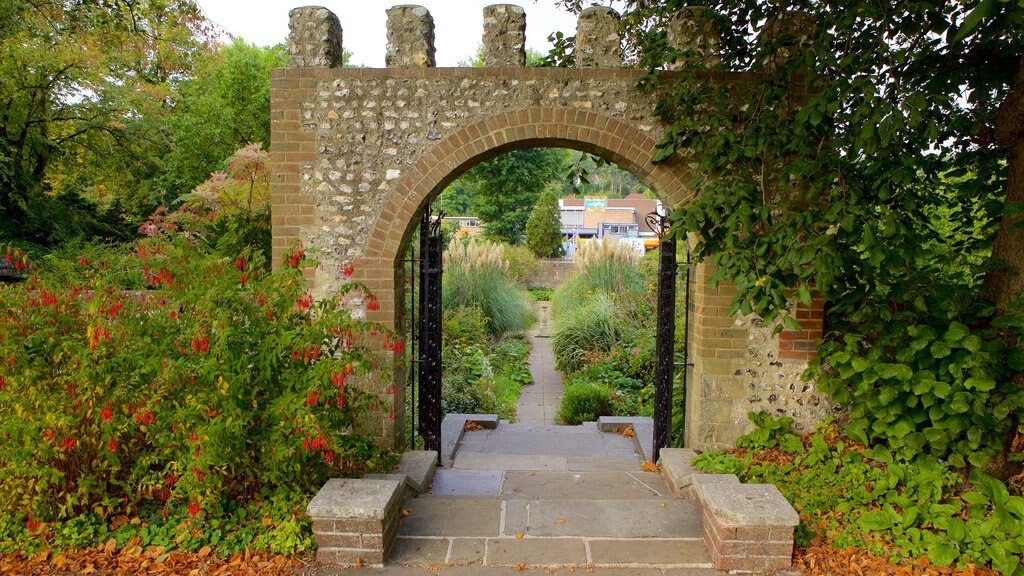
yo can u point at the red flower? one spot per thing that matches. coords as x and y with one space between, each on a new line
372 303
240 263
107 413
305 302
32 525
3 382
313 398
112 445
193 508
347 270
68 444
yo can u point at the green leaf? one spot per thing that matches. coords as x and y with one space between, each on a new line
804 293
883 519
942 554
973 20
790 322
980 383
956 333
940 349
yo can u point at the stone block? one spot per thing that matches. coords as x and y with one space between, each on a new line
504 36
314 38
748 505
598 44
676 468
410 38
418 467
694 31
355 521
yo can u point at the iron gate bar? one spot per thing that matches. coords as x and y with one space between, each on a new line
666 326
412 337
430 331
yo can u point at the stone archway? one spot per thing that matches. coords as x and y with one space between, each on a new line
358 153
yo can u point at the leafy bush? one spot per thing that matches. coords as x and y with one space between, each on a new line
217 386
770 432
605 276
583 330
933 376
892 508
481 374
583 401
475 275
541 294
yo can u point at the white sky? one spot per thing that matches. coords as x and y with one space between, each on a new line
458 24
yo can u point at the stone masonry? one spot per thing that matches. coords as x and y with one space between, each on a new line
357 154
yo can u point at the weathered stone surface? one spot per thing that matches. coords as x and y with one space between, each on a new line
784 37
694 31
676 468
467 482
419 551
352 498
451 517
594 485
598 43
748 505
418 466
314 38
504 36
535 552
672 518
410 37
664 552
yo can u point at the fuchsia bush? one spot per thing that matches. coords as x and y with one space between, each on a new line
154 376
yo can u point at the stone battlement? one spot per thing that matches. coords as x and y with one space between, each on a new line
315 39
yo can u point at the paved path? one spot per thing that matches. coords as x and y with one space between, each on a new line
538 402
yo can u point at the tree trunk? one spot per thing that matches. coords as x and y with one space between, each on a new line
1006 280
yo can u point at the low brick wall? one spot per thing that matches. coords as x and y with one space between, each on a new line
551 273
746 527
355 521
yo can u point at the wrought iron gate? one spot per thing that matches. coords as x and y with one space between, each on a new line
664 367
424 383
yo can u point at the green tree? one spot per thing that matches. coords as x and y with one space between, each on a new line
867 125
544 228
225 106
78 76
506 187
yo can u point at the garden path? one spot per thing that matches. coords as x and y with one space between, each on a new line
538 403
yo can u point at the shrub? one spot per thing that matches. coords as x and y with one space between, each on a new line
463 325
523 266
476 276
583 401
217 384
584 330
608 276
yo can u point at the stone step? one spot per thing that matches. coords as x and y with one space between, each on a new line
597 484
528 552
635 518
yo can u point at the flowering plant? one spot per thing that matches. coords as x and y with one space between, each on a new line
215 384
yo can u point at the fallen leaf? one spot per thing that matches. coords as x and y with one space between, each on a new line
406 512
560 521
204 552
519 535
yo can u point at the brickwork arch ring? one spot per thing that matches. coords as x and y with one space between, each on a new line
609 138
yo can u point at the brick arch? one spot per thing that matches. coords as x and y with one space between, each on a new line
590 132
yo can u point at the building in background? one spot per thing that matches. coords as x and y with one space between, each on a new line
593 217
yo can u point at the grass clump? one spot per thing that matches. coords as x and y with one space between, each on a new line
476 275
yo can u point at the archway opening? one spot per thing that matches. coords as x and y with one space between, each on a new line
541 332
